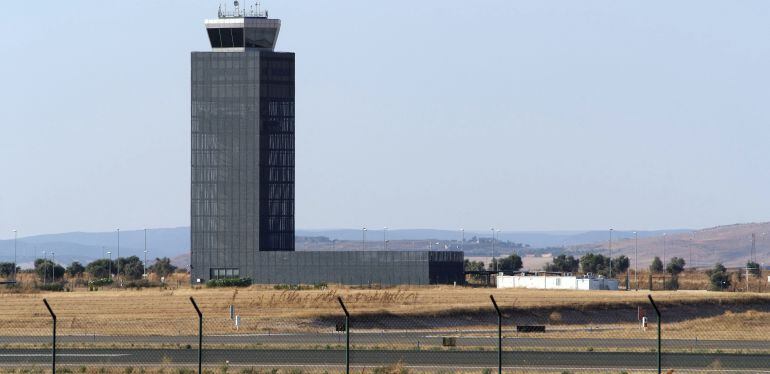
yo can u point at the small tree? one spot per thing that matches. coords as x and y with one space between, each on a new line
596 264
719 279
563 263
656 266
506 264
620 264
474 266
131 267
101 268
676 266
162 267
6 269
75 269
754 269
47 270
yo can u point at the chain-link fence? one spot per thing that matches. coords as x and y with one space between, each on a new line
611 338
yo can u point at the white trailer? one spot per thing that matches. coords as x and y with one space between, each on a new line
555 282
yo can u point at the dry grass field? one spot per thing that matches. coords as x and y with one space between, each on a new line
701 314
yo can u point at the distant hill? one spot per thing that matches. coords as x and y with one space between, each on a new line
535 239
729 244
86 247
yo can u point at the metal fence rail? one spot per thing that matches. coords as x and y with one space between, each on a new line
499 337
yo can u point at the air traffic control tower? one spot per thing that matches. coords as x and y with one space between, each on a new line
242 177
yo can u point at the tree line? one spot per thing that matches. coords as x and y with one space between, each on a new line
130 268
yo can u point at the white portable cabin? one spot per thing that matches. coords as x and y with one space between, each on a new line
555 282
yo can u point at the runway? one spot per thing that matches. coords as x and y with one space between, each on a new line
479 339
412 358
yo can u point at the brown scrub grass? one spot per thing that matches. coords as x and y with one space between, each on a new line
159 312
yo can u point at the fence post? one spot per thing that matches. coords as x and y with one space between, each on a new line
347 335
200 335
499 336
660 366
53 340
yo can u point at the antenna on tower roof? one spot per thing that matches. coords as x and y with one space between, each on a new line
246 11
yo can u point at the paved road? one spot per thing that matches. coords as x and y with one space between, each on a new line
452 359
404 338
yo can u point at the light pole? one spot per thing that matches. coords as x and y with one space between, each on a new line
109 265
53 267
462 244
45 267
385 237
493 248
611 253
636 260
691 240
144 264
118 254
15 238
363 239
664 261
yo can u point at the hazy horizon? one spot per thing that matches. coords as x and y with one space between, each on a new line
524 116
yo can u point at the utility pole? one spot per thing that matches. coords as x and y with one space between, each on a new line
611 253
747 279
144 264
45 268
15 265
664 261
636 259
118 256
53 267
493 248
385 238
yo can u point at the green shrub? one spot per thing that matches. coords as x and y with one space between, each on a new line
141 283
672 283
229 282
54 287
100 282
301 287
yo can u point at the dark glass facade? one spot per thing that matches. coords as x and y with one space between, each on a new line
353 267
276 151
242 191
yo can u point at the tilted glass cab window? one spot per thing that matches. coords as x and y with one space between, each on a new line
227 37
260 38
237 37
216 40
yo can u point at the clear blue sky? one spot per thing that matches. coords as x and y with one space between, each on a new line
444 114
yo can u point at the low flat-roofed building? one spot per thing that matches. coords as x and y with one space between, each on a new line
556 282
